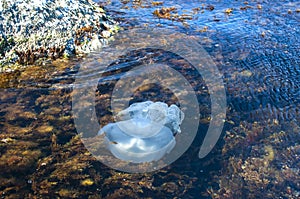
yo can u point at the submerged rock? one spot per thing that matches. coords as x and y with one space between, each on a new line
32 29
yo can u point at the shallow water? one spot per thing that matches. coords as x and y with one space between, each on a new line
256 49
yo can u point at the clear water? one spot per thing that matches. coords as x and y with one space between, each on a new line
257 51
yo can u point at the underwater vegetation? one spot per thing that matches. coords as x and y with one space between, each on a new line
254 44
260 161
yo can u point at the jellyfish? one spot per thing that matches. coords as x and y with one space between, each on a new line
145 131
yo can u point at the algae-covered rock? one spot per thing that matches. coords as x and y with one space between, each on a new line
32 29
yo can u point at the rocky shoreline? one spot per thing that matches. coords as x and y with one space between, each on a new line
34 30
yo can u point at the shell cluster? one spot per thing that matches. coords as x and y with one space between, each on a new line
33 29
145 131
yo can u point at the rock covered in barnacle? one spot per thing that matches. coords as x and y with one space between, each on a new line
33 29
145 131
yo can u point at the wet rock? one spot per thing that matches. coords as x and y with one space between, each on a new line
51 28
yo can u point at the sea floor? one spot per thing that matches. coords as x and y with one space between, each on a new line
255 47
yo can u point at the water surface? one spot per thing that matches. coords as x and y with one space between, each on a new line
256 48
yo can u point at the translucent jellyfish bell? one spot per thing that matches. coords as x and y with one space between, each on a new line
140 128
138 150
157 112
174 118
144 119
136 110
145 131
